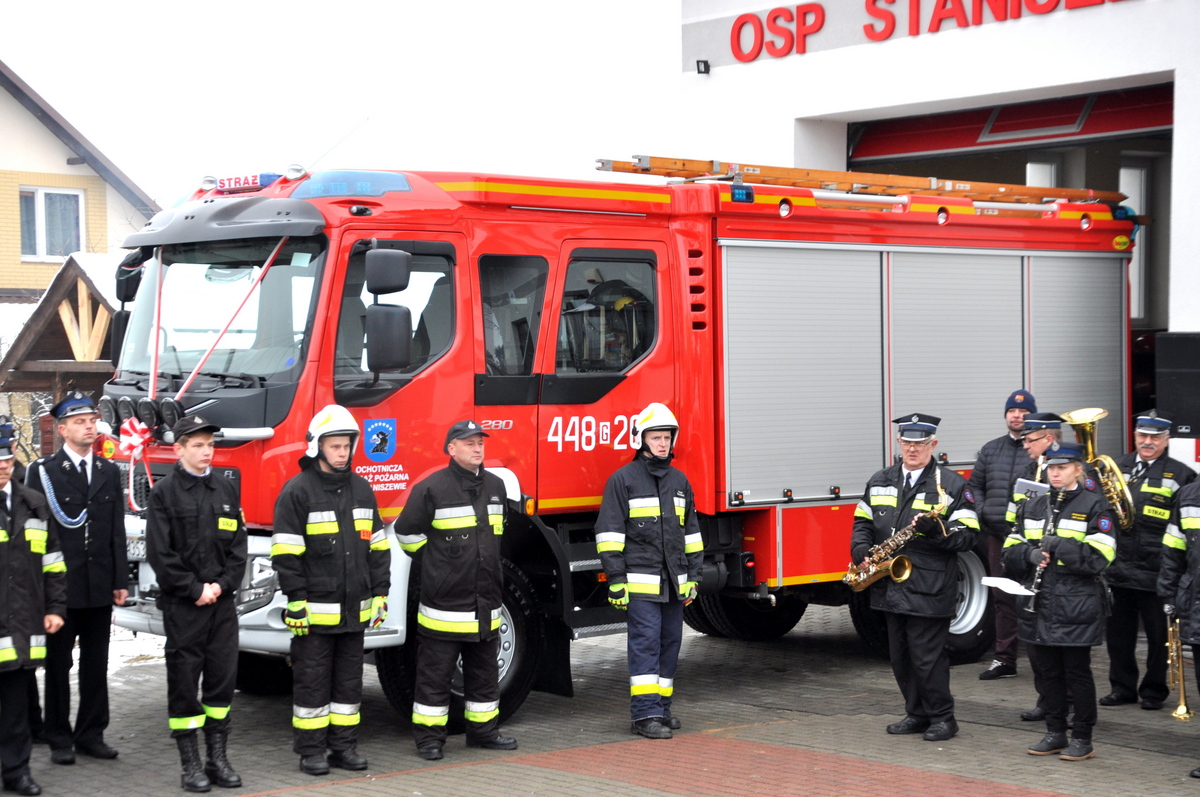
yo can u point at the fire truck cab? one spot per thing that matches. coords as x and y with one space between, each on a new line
784 318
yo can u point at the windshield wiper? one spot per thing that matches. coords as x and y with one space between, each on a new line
246 380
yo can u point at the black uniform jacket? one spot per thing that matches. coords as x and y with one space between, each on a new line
647 532
453 524
330 548
1071 604
998 464
32 580
1179 578
95 551
1139 548
886 507
195 534
1091 483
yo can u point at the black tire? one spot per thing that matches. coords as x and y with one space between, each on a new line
261 674
521 647
758 620
870 624
695 617
972 630
714 613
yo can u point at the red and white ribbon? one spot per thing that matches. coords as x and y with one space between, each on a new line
134 437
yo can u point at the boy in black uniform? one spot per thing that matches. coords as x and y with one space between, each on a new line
33 600
453 524
332 555
196 543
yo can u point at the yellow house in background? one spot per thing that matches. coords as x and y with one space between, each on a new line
58 194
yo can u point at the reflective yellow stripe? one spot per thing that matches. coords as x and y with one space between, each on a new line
38 652
862 511
1164 491
324 613
215 712
364 525
693 543
322 528
643 511
421 719
497 523
3 535
454 523
37 539
666 686
310 723
56 567
344 714
185 723
1171 541
1156 512
643 589
643 685
283 544
884 500
448 622
1189 523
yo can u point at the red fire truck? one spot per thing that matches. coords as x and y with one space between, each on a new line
783 315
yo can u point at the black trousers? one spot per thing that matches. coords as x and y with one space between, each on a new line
1130 605
1003 604
327 673
202 644
436 660
917 648
1062 675
15 740
93 628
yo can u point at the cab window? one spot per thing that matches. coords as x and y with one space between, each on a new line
608 319
512 289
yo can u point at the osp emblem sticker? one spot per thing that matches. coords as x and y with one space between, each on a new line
380 436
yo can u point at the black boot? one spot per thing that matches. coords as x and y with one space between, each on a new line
193 778
218 768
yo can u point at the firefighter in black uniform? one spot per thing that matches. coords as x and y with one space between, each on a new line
86 511
649 542
940 506
1153 478
1063 544
33 600
453 523
332 555
196 543
1179 579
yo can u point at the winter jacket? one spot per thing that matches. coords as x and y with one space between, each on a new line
991 481
95 550
647 532
1179 578
887 507
453 524
329 547
32 580
1139 548
1071 600
195 535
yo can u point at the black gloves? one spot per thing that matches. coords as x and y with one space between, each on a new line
926 525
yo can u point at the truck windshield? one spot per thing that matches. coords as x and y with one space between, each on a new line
202 285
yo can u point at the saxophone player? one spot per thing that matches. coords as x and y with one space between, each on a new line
1063 543
938 503
1179 577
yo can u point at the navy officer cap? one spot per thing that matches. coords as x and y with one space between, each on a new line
6 438
1062 453
1150 423
75 403
917 426
461 430
1040 421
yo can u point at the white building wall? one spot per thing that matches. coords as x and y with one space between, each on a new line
28 146
794 109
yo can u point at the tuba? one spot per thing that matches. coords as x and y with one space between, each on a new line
1112 483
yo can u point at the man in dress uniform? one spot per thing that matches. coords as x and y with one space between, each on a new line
939 505
86 512
30 608
453 523
332 555
1154 478
196 543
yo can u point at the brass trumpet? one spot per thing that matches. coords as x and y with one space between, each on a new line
1175 674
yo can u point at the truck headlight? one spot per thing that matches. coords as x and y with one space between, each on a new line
259 585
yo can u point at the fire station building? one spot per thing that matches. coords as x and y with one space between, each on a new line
1060 93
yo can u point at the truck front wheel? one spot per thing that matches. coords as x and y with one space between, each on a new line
521 646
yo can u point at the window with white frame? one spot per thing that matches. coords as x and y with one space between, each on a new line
51 222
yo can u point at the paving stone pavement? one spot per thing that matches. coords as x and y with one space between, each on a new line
800 715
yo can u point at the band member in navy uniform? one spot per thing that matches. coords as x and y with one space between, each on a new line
84 494
937 502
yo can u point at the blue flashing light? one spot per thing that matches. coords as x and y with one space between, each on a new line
266 178
742 193
350 183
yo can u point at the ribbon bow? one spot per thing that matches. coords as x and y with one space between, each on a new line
134 437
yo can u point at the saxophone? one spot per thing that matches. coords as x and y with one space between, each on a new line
882 559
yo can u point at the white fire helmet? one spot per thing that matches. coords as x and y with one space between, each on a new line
655 416
331 420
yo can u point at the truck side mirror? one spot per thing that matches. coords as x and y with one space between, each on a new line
389 337
129 273
388 270
120 323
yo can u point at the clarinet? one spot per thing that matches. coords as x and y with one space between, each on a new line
1048 529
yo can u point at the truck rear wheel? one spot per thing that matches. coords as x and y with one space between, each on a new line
758 620
972 630
695 616
521 646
